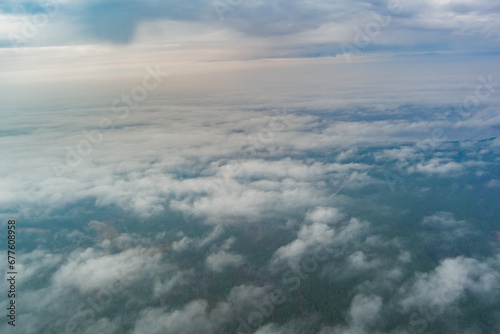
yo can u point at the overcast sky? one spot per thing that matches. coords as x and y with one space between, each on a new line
282 28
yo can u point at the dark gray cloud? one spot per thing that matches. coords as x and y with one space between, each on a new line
116 21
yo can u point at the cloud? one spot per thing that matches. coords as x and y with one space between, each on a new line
314 235
310 235
191 319
181 159
162 287
450 281
221 260
325 215
363 313
103 325
38 263
444 236
279 29
358 261
90 270
438 166
365 310
211 147
443 220
294 326
110 20
198 316
187 243
493 183
254 187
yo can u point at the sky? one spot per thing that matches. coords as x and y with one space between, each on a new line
247 166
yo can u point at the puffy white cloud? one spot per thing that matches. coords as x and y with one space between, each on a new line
221 260
439 166
315 235
443 220
88 282
359 261
325 215
37 263
310 235
193 318
365 310
91 269
450 281
197 317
